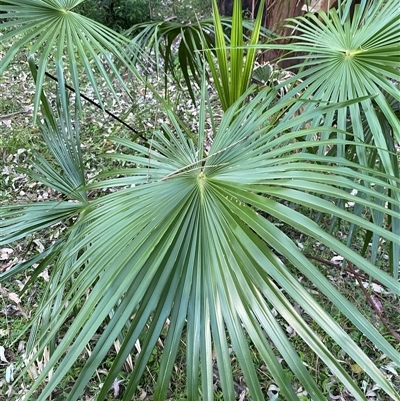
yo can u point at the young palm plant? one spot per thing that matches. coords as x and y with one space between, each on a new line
343 55
192 246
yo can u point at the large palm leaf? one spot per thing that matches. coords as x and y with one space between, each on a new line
349 57
65 43
343 57
185 245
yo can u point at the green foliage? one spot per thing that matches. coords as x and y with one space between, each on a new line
159 39
183 11
189 241
121 15
116 14
218 42
184 227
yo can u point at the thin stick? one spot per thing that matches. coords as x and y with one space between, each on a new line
71 89
358 277
372 303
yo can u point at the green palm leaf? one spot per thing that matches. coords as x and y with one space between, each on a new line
19 221
359 53
207 41
159 38
183 247
61 40
346 57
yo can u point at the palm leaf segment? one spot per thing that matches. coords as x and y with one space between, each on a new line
185 243
50 30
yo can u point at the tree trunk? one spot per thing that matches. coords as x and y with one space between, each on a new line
276 12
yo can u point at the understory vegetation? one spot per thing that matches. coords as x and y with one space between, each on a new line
181 221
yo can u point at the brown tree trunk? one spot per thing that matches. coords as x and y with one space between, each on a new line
276 12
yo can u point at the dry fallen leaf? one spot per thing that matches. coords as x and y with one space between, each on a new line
116 387
7 123
375 287
6 266
14 297
377 304
5 253
337 260
45 275
9 373
2 355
